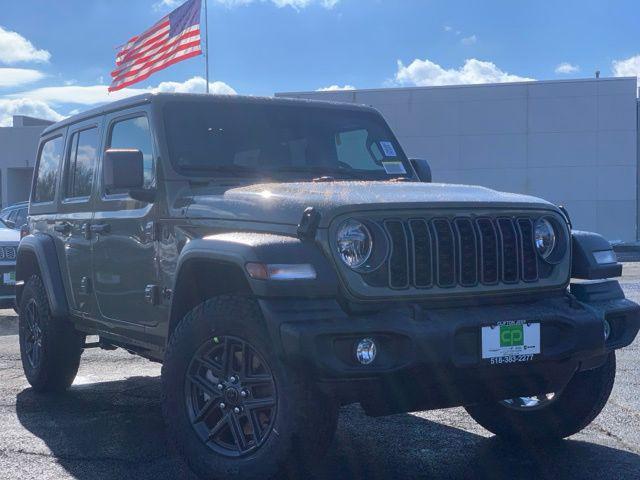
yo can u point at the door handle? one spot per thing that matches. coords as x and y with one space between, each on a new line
63 227
100 228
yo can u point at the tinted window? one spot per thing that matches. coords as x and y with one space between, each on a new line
82 161
50 157
134 133
210 138
21 217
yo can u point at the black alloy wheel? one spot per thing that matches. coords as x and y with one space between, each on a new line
33 334
231 396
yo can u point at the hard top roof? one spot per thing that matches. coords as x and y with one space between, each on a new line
161 98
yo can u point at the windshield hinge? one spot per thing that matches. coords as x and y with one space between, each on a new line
308 224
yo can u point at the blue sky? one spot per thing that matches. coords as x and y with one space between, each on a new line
55 56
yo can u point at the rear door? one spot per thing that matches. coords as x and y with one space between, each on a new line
124 250
75 213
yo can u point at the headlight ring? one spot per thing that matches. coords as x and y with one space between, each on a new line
354 243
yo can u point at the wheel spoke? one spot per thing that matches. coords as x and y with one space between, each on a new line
204 385
255 426
237 433
218 427
256 380
260 403
206 409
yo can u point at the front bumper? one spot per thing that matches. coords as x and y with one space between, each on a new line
431 358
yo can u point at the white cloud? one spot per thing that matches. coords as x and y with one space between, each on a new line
447 28
566 67
335 88
629 67
13 77
96 94
470 40
167 4
425 73
25 106
195 85
15 48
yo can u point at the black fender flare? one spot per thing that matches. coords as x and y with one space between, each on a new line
43 248
239 248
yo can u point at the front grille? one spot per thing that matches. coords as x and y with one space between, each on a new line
461 251
7 253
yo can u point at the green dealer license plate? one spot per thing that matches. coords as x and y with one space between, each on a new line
9 278
510 342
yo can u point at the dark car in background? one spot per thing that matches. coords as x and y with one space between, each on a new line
15 216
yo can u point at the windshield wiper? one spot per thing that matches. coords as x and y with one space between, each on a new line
321 171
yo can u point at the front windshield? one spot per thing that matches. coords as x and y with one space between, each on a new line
258 139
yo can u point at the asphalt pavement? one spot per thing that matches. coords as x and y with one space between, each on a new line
109 426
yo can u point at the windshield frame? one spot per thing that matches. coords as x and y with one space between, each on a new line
289 174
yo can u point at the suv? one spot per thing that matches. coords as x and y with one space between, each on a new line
282 258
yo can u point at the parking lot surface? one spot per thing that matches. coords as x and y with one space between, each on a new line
109 426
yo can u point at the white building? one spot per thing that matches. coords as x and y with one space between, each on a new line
18 146
573 142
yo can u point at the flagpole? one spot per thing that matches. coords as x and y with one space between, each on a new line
206 44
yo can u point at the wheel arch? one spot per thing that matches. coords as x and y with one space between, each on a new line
215 265
37 256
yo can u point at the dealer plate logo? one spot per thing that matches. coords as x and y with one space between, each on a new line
511 335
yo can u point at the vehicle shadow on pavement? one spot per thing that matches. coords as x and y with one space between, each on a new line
115 430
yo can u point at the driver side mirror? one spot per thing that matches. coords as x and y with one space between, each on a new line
123 169
422 169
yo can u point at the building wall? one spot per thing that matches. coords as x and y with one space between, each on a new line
18 145
573 143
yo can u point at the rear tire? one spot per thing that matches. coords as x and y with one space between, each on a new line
50 348
294 428
570 411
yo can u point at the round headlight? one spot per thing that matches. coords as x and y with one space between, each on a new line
354 243
545 237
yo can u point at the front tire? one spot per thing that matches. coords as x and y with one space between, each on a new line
50 348
553 416
232 408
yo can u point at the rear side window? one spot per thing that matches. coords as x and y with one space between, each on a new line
21 217
134 133
47 176
82 162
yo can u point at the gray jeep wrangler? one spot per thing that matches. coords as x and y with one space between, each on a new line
282 258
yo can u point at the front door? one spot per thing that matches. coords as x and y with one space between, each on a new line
75 213
125 270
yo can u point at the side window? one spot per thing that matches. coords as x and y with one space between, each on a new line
21 217
81 164
47 176
134 133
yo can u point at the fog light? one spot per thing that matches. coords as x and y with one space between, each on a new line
607 330
366 351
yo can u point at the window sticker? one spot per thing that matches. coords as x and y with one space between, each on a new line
387 148
394 168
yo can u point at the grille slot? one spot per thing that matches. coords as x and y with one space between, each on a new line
7 253
462 251
509 250
488 251
445 253
422 254
467 252
529 257
399 261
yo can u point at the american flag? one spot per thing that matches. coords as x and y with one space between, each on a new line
174 38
